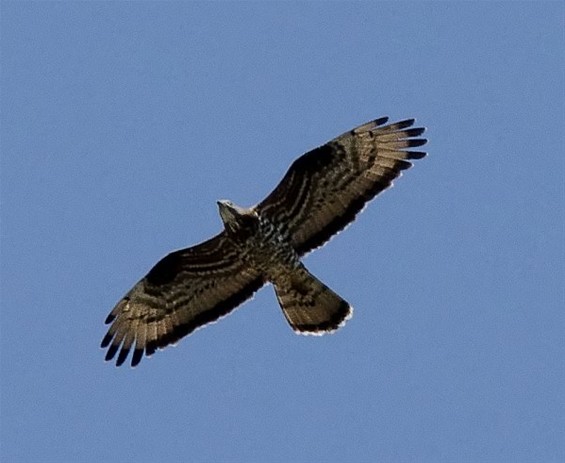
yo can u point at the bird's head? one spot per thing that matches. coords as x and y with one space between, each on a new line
237 219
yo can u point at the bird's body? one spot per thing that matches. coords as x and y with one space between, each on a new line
308 304
262 245
321 193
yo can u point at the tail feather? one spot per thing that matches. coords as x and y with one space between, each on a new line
309 306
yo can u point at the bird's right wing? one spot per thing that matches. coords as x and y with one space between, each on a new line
182 292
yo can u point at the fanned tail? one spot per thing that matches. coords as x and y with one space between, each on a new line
309 306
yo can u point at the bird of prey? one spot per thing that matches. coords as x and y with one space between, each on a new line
322 192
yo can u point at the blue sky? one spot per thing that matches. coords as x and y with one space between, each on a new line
123 123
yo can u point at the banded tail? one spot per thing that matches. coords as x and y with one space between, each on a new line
309 306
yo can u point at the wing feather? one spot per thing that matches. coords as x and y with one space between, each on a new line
182 292
325 189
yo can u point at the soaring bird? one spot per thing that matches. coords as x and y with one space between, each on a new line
321 193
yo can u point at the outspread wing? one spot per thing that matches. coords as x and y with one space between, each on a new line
183 291
325 188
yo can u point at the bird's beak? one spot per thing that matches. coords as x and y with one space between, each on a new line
227 212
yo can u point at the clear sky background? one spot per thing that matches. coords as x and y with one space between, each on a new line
123 123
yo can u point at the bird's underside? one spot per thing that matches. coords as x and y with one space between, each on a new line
320 194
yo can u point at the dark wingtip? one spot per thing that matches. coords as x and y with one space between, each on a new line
417 154
122 356
412 143
381 121
106 341
416 131
150 348
404 124
111 352
136 358
401 164
109 319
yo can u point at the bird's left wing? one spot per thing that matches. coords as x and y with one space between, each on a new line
182 292
324 189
